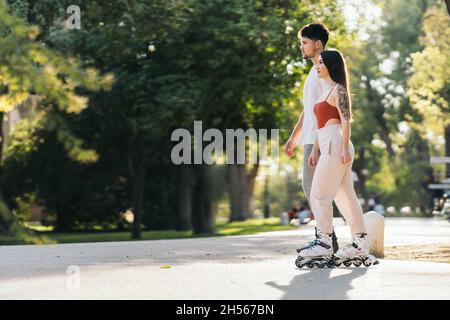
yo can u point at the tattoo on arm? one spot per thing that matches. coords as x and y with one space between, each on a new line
343 101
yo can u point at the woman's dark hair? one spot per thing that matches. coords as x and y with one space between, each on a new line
315 31
335 63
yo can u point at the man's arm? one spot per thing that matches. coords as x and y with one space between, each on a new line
297 129
292 141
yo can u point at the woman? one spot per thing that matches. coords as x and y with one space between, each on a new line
333 179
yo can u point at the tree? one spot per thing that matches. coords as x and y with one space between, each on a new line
429 84
27 68
248 52
384 116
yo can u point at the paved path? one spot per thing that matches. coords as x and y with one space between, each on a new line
237 267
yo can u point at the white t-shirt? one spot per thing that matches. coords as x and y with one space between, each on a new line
311 92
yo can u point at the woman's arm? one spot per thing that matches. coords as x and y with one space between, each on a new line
316 144
342 103
314 156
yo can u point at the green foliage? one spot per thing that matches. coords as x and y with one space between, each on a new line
74 193
22 213
251 226
5 219
392 152
231 64
23 140
28 66
222 62
429 84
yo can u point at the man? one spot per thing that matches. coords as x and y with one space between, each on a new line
313 38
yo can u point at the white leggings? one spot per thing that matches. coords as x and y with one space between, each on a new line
334 181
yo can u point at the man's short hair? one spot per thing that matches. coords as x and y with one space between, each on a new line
315 31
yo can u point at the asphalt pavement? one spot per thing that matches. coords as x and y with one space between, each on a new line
246 267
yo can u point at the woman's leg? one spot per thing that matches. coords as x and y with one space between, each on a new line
326 181
348 203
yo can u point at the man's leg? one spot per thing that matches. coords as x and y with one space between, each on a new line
308 173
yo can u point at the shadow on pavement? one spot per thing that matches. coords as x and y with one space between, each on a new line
319 284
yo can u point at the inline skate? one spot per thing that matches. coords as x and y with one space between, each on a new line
312 242
317 253
356 253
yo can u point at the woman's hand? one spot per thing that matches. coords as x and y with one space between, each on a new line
289 148
346 157
313 158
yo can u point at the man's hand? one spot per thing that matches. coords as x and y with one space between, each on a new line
289 148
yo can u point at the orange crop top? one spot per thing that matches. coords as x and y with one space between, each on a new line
325 111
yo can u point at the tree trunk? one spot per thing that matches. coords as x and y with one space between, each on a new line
64 221
1 135
7 220
241 188
184 198
362 188
384 132
361 176
245 195
138 199
238 190
6 216
65 214
203 219
358 167
447 150
251 179
233 191
136 169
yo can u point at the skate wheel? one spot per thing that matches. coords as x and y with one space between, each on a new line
331 263
298 262
320 265
347 263
367 263
357 263
310 265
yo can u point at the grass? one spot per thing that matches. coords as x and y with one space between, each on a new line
24 237
251 226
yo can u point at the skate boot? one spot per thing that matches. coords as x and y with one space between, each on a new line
335 243
308 244
319 253
356 253
312 242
